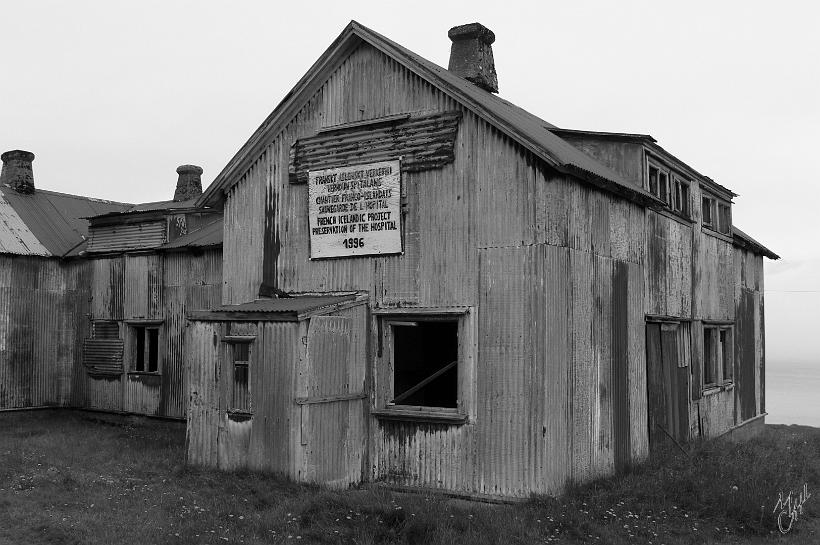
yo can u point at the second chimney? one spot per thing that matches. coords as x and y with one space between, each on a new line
17 173
189 183
471 55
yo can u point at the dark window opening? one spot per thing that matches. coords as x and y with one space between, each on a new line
724 219
663 187
240 388
706 210
680 201
653 180
709 356
146 349
425 363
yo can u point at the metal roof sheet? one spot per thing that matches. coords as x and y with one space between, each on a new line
56 220
206 236
281 309
529 130
746 241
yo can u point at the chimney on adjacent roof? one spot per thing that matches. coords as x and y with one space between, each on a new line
189 184
17 173
471 55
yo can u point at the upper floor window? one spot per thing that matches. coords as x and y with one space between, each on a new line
670 187
716 214
680 196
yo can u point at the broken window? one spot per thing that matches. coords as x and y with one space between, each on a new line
659 183
724 218
425 362
680 197
718 362
239 353
145 352
707 205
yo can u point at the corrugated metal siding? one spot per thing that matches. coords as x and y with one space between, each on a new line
157 287
203 357
42 319
129 236
668 267
494 200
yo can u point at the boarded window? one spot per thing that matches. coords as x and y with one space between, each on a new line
145 351
104 329
240 356
425 363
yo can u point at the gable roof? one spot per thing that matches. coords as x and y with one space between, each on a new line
528 130
47 223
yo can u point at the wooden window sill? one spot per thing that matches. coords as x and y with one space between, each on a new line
150 373
420 414
239 416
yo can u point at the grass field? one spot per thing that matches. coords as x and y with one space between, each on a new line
71 477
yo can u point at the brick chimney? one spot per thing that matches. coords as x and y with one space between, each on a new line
189 184
17 173
471 55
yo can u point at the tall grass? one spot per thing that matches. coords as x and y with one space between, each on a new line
71 477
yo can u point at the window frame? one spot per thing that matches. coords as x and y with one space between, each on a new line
230 342
720 213
721 358
685 208
384 373
662 191
133 327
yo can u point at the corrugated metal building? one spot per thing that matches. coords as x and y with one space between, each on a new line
533 306
93 310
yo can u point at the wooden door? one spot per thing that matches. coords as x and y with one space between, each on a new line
667 385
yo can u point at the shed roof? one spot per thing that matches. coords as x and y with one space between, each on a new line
527 129
280 309
47 223
207 236
745 241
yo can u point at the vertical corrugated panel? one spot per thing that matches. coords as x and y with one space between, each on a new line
273 444
745 354
203 367
620 365
142 394
135 286
38 326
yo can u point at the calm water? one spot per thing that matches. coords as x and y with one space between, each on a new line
793 394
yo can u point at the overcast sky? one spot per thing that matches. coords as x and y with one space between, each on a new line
113 96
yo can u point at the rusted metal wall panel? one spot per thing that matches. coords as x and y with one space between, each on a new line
668 267
746 354
42 307
714 290
244 223
129 236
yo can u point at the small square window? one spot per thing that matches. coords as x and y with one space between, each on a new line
145 350
425 365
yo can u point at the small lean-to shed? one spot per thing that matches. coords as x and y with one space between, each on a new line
280 385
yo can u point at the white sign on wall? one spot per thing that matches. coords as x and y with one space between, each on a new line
355 210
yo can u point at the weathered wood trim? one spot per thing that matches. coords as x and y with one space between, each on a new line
453 311
330 399
716 234
370 123
231 316
236 339
420 415
422 141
